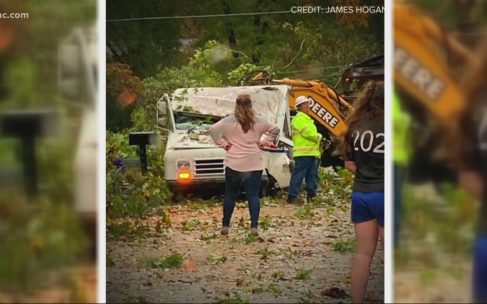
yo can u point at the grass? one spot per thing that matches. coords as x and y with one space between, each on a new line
265 223
117 229
428 276
236 300
303 274
265 253
166 219
252 288
215 259
267 201
330 210
343 246
251 239
308 297
127 228
133 299
110 262
209 237
273 288
423 206
304 213
191 225
174 260
277 275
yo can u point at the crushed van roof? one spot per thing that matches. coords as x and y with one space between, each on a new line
221 101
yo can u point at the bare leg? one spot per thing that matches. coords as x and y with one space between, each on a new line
367 234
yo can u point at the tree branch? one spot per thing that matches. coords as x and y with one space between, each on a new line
295 57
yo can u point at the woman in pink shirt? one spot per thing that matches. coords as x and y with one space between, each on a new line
240 135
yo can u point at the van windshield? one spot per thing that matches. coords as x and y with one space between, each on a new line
194 121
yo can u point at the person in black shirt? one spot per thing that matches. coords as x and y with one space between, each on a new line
473 175
363 151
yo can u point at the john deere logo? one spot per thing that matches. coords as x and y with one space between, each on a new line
417 74
322 113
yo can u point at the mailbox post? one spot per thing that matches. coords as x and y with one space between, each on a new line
27 126
142 139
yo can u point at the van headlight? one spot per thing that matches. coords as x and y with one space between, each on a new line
184 164
184 171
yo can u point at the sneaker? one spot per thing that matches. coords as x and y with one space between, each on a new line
254 231
225 230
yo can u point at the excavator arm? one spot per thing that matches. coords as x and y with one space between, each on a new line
429 74
326 103
328 108
422 68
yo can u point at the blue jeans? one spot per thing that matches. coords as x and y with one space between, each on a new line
399 179
304 167
480 270
233 182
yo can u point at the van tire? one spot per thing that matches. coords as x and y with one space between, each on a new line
264 185
268 187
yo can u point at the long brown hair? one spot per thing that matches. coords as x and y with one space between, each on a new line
244 113
370 104
476 95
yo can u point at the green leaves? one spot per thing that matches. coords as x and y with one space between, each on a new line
21 80
37 237
303 274
124 92
215 259
129 192
174 260
305 212
344 246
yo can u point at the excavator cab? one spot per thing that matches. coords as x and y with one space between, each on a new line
429 69
329 109
358 74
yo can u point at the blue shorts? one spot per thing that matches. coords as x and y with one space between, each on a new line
480 270
367 206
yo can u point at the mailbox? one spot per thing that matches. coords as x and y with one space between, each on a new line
142 139
29 123
27 126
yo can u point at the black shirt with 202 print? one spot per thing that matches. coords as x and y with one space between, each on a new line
366 149
476 126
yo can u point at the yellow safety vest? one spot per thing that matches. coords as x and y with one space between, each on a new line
401 121
306 138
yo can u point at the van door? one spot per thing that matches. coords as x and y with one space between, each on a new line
165 117
277 161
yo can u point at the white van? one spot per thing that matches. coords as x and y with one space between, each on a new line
192 160
77 68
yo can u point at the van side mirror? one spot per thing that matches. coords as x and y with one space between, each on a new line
162 113
162 121
70 73
77 66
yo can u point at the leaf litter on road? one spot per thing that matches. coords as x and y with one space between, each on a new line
241 267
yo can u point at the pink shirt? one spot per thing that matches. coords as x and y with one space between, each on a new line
245 154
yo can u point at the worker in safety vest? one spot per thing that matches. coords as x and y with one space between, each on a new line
401 121
306 152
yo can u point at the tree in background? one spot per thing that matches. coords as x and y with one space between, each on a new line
217 50
42 234
272 39
124 91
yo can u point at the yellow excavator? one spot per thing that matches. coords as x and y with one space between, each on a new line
329 109
430 65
